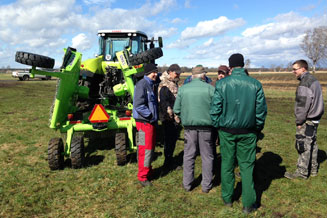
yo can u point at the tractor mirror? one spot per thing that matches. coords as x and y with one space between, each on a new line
160 42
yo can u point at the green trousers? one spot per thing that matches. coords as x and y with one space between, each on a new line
242 147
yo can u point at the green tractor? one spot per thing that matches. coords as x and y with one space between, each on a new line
95 94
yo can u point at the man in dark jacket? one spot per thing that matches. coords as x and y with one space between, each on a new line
145 113
309 108
239 109
193 105
168 88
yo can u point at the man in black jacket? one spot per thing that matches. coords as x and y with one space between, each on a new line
168 88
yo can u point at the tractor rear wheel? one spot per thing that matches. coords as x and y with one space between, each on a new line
34 60
55 154
120 148
77 155
146 56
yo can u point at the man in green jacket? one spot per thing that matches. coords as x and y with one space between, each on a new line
192 105
239 110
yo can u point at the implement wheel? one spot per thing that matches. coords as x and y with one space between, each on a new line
34 60
120 148
77 155
55 154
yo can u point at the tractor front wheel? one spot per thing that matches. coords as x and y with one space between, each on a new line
120 148
77 155
34 60
55 154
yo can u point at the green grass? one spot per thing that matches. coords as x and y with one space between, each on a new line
102 189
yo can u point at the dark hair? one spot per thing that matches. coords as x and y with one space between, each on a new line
302 63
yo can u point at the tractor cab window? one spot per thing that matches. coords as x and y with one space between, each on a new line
113 45
137 45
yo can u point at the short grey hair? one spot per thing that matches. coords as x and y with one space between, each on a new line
201 76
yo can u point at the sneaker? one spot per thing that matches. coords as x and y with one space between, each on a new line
295 175
146 183
248 210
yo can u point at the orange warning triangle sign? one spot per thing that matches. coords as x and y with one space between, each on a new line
99 114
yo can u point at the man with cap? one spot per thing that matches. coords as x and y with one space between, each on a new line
167 90
223 71
192 105
239 110
145 113
205 78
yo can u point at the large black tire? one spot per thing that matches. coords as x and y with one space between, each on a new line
77 155
55 154
34 60
146 56
121 148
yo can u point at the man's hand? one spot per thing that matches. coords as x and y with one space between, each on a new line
177 119
170 112
299 126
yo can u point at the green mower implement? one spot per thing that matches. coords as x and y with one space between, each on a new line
95 94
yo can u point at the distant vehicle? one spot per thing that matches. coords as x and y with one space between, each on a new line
25 75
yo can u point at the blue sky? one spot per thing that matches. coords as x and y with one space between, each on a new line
203 32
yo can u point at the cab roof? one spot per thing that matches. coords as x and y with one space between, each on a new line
122 32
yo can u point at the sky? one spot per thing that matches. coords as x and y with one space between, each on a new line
207 32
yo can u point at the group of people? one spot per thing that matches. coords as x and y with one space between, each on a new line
235 106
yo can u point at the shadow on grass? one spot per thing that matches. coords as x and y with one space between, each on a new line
267 168
163 170
322 156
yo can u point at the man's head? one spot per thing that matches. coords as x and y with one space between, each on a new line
151 71
198 71
236 60
174 71
299 67
223 71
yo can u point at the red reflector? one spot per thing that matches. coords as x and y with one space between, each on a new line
137 66
124 118
74 122
128 113
70 116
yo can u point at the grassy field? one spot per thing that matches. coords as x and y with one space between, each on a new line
102 189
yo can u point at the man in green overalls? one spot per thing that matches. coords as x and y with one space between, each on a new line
238 109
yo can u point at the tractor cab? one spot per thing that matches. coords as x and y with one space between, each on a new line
112 41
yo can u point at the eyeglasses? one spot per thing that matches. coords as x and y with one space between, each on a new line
294 69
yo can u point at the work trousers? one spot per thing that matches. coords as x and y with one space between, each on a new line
306 145
171 134
194 140
242 147
145 149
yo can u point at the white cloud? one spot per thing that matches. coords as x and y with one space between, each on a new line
211 28
81 42
209 42
165 33
177 20
187 4
181 43
94 2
